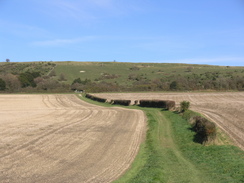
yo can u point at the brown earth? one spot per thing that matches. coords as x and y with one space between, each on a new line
59 138
226 109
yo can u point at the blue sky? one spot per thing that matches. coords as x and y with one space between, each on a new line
167 31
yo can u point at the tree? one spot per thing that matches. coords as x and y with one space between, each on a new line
78 80
173 85
48 84
12 82
184 106
2 84
84 82
77 86
7 60
62 77
27 79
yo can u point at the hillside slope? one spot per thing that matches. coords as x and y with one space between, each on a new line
118 76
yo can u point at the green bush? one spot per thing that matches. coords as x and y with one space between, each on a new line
184 106
98 99
167 104
205 129
121 102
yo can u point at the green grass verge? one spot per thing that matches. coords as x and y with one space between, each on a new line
161 160
223 163
148 165
170 155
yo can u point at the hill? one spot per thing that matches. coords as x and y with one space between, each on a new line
118 76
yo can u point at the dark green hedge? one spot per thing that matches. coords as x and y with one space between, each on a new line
121 102
167 104
98 99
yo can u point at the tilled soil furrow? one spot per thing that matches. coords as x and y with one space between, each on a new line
66 140
42 136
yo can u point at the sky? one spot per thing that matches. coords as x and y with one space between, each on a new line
156 31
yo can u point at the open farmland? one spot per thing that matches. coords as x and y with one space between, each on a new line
59 138
225 109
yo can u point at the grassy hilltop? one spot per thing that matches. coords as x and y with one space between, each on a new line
117 76
121 71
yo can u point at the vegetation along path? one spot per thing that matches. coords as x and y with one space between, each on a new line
169 154
163 160
177 166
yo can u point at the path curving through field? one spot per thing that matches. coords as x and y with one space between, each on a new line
224 108
60 138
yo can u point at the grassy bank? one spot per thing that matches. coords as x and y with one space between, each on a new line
222 163
169 154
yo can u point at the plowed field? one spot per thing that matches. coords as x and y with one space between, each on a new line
225 109
59 138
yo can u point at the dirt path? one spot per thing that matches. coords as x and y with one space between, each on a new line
224 108
59 138
179 168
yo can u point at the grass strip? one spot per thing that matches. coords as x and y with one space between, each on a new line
221 163
150 166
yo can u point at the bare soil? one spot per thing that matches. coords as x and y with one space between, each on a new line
59 138
226 109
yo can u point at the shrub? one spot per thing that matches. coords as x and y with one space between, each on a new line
167 104
84 82
98 99
136 102
170 104
184 106
62 77
122 102
2 84
205 129
173 85
27 79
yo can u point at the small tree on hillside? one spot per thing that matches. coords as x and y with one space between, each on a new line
184 106
7 60
78 80
62 77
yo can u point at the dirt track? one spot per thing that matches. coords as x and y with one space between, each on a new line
59 138
225 109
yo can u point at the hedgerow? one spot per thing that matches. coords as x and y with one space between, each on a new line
167 104
98 99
